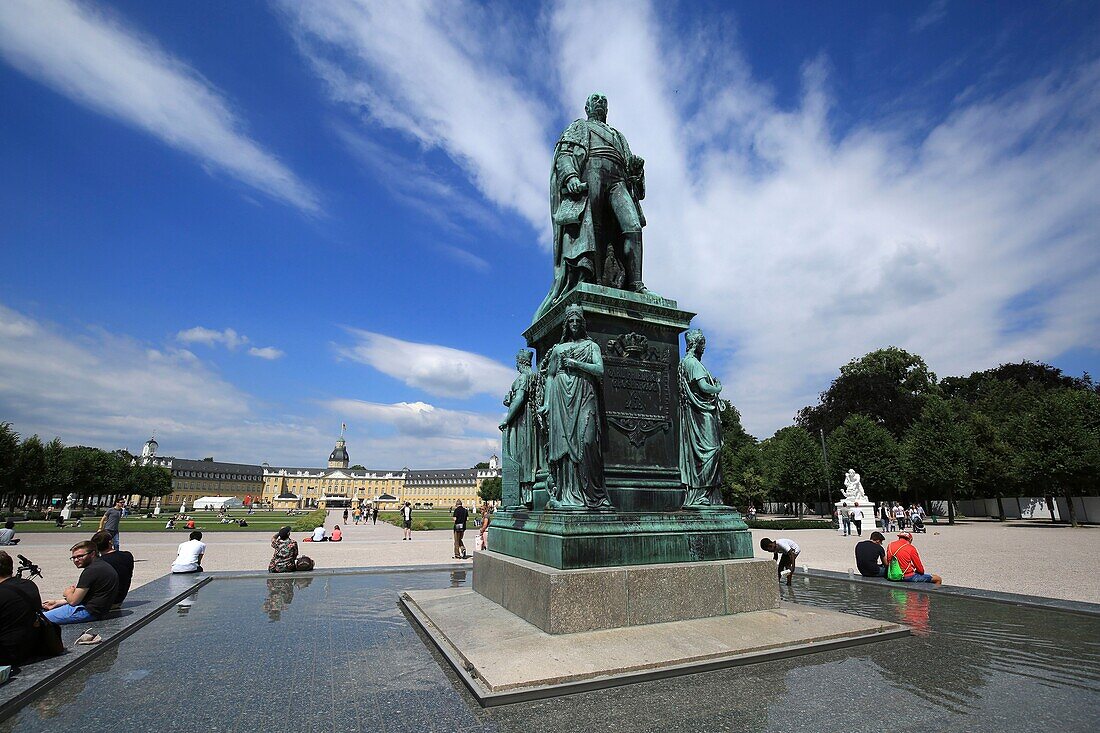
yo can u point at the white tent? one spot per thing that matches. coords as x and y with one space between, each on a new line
218 502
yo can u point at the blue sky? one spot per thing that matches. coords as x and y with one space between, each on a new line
241 224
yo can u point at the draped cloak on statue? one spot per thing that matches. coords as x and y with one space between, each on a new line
519 442
572 409
700 437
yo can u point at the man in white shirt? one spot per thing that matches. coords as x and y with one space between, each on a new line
857 520
784 550
189 555
319 534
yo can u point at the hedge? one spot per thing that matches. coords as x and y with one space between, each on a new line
790 524
310 521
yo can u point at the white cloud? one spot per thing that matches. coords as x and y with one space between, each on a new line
418 418
96 60
267 352
434 72
438 370
209 337
98 388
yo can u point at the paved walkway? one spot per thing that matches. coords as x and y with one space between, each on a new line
1018 557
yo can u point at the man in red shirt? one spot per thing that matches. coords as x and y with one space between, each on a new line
909 559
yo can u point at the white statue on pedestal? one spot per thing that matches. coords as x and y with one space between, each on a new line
853 488
156 509
67 511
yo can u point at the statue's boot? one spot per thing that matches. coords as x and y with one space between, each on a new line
633 264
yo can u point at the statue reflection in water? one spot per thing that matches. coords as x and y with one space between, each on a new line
280 593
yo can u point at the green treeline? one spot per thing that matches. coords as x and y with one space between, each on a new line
1017 430
33 472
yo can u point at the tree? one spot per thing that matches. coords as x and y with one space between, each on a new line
58 479
490 489
1059 447
938 453
742 468
151 481
792 465
32 467
888 385
482 464
9 459
358 467
871 450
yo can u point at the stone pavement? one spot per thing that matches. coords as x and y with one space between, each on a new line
1035 558
362 546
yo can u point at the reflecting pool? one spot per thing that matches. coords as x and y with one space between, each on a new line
336 653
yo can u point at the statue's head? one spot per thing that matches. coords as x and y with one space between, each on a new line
851 471
695 341
523 360
574 327
596 106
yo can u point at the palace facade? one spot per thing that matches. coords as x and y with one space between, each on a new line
192 479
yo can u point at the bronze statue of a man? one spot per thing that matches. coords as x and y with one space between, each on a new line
596 186
519 444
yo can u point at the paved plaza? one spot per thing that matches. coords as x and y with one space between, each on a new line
1033 558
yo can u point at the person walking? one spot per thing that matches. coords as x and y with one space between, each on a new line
374 513
461 514
407 520
486 517
884 516
899 517
345 516
857 520
110 519
845 519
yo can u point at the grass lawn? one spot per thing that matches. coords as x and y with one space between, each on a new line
206 521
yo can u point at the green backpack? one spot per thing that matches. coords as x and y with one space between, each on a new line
894 572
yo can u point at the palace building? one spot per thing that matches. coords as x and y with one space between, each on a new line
286 487
192 479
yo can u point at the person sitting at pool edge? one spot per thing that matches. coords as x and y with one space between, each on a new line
870 557
784 550
7 534
189 555
909 559
286 553
19 605
94 593
121 560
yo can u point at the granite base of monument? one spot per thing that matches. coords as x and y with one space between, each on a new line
569 601
504 659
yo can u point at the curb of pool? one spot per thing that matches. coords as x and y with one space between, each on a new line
1015 599
142 605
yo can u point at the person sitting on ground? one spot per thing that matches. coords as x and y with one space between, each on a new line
94 593
189 555
319 534
171 523
242 523
337 534
286 552
7 534
908 558
786 552
190 524
59 522
870 557
19 605
121 560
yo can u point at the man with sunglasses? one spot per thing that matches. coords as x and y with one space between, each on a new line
91 598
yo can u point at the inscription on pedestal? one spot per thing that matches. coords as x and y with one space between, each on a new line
637 392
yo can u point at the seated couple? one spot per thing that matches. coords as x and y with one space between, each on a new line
320 536
874 562
286 558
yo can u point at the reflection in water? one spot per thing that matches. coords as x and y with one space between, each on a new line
53 703
959 644
458 578
184 607
280 593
